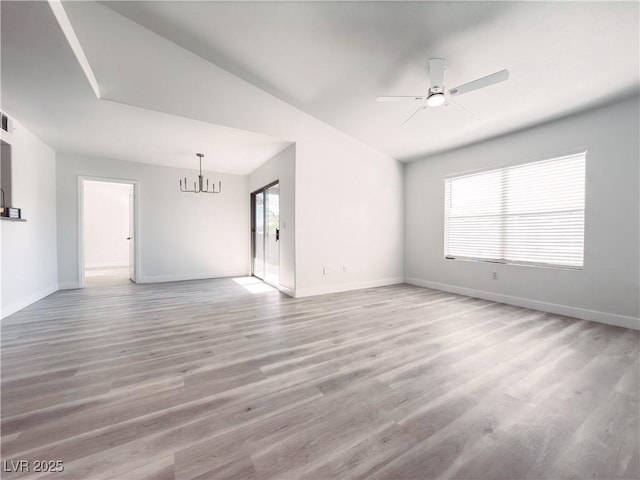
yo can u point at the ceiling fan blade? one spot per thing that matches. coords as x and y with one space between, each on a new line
437 67
398 99
422 107
501 76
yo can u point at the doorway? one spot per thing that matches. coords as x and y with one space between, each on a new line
265 234
107 232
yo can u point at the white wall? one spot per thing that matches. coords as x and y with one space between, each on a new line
182 236
28 249
349 201
106 224
282 168
608 288
349 214
347 197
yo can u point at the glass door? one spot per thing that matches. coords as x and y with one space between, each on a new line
258 234
265 233
272 234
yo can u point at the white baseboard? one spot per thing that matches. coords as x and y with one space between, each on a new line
345 287
184 277
566 310
68 285
25 301
287 291
107 264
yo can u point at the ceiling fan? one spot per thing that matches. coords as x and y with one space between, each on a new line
436 96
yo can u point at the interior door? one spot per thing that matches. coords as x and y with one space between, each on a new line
132 250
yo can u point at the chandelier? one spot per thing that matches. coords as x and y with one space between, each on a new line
199 186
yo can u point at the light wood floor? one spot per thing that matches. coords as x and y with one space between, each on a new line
107 276
205 380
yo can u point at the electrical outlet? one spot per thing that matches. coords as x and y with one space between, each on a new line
344 269
325 270
494 276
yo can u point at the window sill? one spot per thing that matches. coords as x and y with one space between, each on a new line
519 264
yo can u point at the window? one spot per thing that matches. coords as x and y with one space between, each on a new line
5 175
526 214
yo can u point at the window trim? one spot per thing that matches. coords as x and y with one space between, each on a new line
579 151
510 262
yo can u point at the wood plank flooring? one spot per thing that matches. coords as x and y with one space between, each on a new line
206 380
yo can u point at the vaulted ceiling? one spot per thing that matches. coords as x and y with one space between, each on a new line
239 80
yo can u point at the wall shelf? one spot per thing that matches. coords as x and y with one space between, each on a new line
14 219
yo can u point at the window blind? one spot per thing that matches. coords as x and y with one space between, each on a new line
531 213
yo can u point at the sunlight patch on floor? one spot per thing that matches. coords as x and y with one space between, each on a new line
254 285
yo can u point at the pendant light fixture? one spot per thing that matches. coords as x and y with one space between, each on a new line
199 186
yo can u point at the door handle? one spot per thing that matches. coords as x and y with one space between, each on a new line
277 234
129 238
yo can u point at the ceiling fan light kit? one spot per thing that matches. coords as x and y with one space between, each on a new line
435 99
436 96
199 186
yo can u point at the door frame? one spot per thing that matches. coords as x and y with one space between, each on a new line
252 196
136 223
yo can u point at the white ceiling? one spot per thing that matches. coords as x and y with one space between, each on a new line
257 66
44 87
